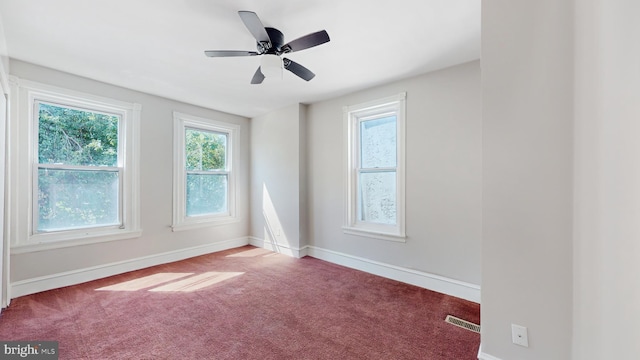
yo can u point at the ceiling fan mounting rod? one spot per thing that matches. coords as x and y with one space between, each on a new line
263 47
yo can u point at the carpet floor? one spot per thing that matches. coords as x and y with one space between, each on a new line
245 303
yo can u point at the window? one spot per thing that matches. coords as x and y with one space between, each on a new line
375 169
76 171
204 181
82 184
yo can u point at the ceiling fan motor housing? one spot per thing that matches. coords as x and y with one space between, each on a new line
277 40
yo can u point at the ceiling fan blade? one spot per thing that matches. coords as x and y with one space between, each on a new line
258 77
298 69
254 25
228 53
305 42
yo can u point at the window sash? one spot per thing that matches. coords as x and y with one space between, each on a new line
216 132
225 207
361 120
89 169
361 199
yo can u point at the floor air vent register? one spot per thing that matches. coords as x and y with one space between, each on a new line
462 323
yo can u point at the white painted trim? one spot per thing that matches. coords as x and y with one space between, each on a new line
483 356
76 240
374 234
422 279
279 248
4 128
48 282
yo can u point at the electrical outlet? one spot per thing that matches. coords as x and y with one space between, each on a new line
519 335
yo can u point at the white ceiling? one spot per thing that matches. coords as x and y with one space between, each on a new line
156 46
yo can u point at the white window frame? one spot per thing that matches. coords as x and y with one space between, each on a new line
182 122
23 180
353 115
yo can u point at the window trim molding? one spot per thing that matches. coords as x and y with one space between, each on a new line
21 146
181 221
351 116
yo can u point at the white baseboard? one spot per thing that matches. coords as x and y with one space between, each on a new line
279 248
54 281
484 356
425 280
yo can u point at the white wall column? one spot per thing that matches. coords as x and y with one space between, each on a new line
278 180
607 181
527 85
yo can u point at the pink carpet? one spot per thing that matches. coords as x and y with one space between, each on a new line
245 303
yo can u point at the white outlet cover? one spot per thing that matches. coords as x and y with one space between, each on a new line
519 335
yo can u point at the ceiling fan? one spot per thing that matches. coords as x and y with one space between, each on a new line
270 45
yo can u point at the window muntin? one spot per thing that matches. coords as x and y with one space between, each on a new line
204 184
77 177
375 169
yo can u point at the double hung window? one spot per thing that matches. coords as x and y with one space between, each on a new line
77 180
375 169
82 182
204 180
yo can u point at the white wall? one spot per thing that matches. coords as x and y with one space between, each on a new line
4 57
443 172
607 178
561 246
527 74
278 179
155 185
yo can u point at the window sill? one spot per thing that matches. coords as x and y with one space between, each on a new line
374 234
205 223
44 242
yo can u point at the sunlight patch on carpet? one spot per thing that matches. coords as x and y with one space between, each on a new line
144 282
197 282
252 253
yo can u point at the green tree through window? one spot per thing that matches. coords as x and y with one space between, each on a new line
78 173
207 179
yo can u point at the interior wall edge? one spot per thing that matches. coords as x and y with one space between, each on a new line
279 248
